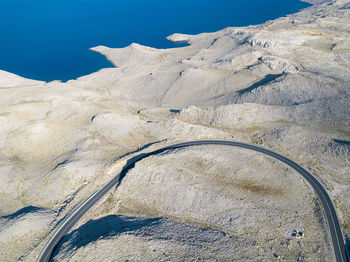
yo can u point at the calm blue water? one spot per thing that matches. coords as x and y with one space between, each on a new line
50 39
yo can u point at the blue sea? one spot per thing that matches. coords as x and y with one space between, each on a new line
50 39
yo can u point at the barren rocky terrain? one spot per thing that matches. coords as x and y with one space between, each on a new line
283 85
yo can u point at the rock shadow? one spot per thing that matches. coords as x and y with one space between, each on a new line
107 227
343 142
266 80
21 212
140 149
150 228
174 111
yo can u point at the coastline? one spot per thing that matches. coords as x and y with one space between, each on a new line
65 79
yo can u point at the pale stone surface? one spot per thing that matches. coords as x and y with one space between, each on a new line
8 80
230 190
283 84
20 230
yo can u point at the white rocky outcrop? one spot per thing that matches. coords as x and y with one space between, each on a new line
8 80
283 85
21 229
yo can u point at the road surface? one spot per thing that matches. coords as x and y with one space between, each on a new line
327 204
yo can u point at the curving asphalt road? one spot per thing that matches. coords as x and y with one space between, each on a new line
329 210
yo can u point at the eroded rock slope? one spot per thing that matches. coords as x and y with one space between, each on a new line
283 85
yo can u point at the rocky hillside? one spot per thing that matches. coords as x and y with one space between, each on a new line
283 85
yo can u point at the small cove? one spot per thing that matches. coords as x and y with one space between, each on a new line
50 39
